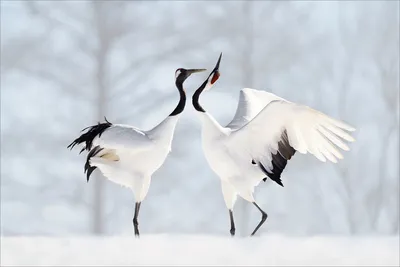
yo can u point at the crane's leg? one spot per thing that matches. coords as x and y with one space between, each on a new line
233 229
263 218
135 219
140 188
230 198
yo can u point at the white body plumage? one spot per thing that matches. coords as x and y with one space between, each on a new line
139 153
129 156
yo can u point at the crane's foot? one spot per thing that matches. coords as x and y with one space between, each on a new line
233 230
136 228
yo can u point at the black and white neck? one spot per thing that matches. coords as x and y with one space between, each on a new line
182 99
196 96
180 76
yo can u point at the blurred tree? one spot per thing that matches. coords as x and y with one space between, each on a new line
95 53
377 197
67 64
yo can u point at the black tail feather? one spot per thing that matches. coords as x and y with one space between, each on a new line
89 169
87 138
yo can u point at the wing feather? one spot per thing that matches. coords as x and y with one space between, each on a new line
123 137
307 130
250 103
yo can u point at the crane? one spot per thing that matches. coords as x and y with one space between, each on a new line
127 155
264 134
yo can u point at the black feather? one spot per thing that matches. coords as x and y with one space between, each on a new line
274 175
89 169
88 137
279 160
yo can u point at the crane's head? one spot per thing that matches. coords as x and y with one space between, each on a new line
206 85
182 74
214 75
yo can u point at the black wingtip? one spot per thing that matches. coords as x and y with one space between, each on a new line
276 177
71 145
278 181
87 168
90 170
86 128
279 159
88 137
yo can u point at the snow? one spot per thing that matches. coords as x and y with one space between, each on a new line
170 249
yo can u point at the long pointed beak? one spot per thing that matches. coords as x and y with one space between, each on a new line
217 65
191 71
215 72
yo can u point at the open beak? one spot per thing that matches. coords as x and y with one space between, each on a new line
191 71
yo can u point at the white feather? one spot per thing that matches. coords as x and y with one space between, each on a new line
308 130
124 137
251 102
140 153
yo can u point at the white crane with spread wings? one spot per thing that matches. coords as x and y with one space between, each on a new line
264 134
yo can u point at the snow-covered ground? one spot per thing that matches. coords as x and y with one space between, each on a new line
200 250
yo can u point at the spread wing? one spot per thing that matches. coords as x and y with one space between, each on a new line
282 127
251 102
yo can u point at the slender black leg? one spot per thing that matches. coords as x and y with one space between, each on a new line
135 221
232 223
263 218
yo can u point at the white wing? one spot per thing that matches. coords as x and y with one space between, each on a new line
123 137
251 102
284 125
